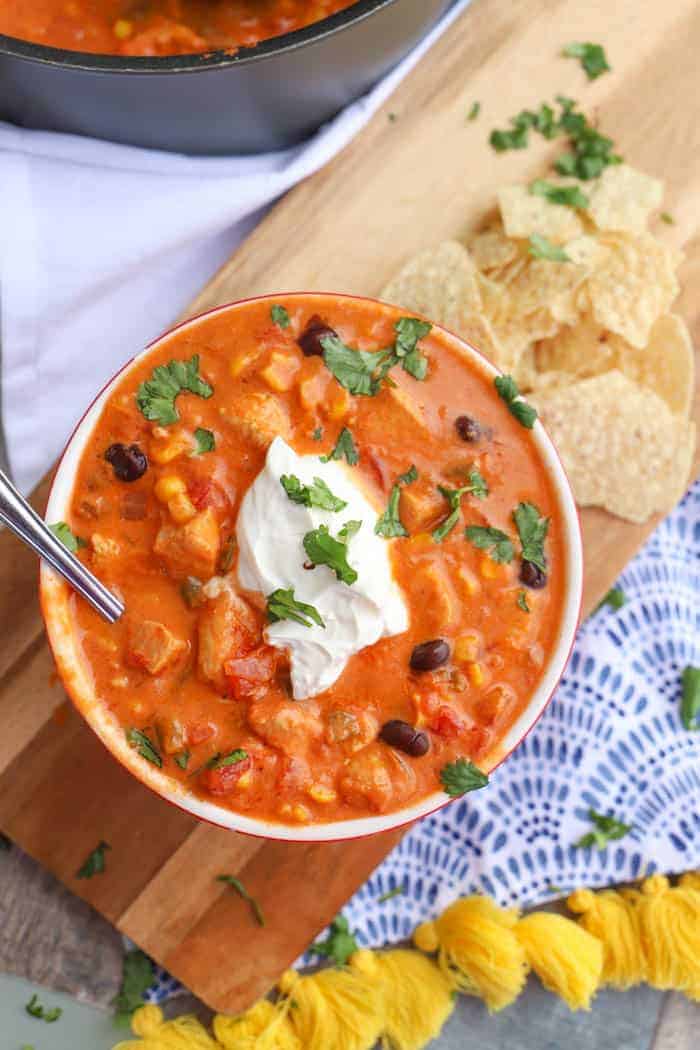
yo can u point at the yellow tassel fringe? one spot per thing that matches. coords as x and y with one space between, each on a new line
403 998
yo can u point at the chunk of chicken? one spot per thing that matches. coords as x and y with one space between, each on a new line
291 727
259 418
366 780
152 647
191 549
227 629
422 505
351 728
401 415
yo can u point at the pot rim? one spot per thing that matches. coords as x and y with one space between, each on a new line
215 59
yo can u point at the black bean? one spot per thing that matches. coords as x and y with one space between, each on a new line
310 338
430 655
532 575
405 737
467 428
128 461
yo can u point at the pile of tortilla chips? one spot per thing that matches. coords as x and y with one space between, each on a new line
590 340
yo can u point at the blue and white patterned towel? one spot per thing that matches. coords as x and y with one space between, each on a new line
611 739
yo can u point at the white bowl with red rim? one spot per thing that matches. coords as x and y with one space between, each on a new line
55 595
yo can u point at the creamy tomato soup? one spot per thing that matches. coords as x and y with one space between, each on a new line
341 557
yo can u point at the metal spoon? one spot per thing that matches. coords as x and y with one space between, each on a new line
23 520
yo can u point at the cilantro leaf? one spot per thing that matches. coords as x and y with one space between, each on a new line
389 523
137 978
35 1009
474 111
94 863
339 944
315 495
667 218
690 699
279 316
409 330
592 58
205 439
67 537
156 396
240 889
532 530
144 745
542 248
462 776
231 759
521 601
508 390
282 605
409 476
356 370
317 434
605 829
497 544
344 446
615 598
349 529
323 549
183 759
570 196
477 487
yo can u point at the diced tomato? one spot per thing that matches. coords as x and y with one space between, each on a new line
222 780
198 732
446 722
206 493
247 675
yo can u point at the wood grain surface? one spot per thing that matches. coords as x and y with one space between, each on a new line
401 186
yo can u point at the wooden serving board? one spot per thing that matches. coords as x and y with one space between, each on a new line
401 186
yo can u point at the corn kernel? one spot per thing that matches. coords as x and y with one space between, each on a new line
467 581
240 362
280 373
170 449
477 677
339 405
122 28
299 813
168 486
181 508
321 793
245 781
490 569
466 648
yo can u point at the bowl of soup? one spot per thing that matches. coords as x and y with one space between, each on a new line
349 557
198 76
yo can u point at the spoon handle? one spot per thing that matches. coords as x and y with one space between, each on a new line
22 519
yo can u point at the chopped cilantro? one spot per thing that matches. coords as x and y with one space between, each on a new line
183 759
156 396
409 332
67 537
340 943
205 441
570 196
605 829
508 390
35 1009
389 524
532 530
397 891
462 776
497 544
542 248
690 698
344 446
615 598
409 476
315 495
94 863
667 218
282 605
356 370
592 58
231 759
349 529
323 549
521 601
477 487
317 434
240 889
144 745
137 977
279 316
474 111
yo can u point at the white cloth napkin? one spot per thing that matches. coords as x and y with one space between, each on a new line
102 246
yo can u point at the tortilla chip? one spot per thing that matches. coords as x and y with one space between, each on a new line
523 214
440 284
552 286
491 249
633 286
514 329
623 199
665 365
621 446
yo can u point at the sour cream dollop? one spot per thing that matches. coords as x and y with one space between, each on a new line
270 533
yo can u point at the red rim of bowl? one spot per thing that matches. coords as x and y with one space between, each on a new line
314 832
